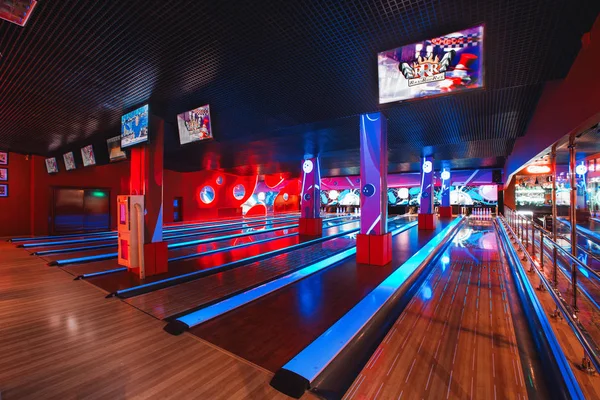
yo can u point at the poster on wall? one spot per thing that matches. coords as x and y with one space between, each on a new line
3 174
115 153
87 153
134 127
3 158
441 65
69 161
51 165
3 190
194 125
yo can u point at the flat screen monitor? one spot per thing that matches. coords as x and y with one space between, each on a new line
115 153
134 127
195 125
442 65
69 161
51 165
87 154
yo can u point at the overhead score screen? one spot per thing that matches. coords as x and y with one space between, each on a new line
195 125
134 127
447 64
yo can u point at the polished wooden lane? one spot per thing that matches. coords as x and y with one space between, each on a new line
59 340
170 301
455 339
271 330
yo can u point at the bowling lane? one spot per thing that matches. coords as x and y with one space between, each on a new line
466 345
271 330
218 233
123 280
80 244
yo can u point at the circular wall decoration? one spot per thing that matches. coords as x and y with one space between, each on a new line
403 193
307 167
445 175
261 196
368 190
286 197
219 180
207 194
427 166
333 194
307 196
239 191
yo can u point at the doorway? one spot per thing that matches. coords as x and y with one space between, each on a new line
80 210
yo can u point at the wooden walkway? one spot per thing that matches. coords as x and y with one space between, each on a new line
60 340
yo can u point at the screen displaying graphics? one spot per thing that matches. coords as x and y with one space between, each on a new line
51 165
447 64
69 161
134 127
194 125
87 153
114 149
483 195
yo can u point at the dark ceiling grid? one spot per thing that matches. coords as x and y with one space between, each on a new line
268 66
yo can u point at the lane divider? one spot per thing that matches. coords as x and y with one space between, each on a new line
198 231
300 373
185 322
114 244
168 228
137 290
109 256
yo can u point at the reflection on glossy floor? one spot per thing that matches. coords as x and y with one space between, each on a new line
57 340
456 338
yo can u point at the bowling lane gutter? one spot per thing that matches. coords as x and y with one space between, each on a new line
178 235
167 282
222 306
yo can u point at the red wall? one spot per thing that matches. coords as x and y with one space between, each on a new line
114 177
27 210
14 209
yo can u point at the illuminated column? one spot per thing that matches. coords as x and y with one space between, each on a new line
445 208
147 179
310 216
374 243
427 218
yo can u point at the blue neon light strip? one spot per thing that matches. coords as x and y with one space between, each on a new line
248 260
170 228
526 289
222 307
178 236
109 256
114 244
317 355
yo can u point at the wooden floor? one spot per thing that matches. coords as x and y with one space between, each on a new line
60 340
455 339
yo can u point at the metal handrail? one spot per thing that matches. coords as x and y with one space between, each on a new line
559 247
564 308
568 240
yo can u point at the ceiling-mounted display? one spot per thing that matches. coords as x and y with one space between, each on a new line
441 65
134 127
194 125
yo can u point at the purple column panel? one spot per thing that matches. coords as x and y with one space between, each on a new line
373 174
426 206
311 193
446 183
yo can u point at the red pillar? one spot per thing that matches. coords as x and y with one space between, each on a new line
147 180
